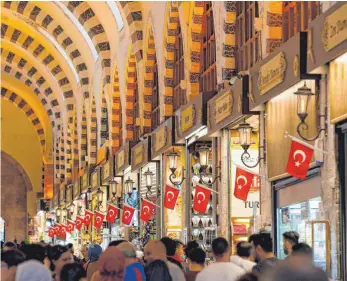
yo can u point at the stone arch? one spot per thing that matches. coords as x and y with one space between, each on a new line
69 148
62 155
116 116
75 158
104 132
93 133
26 108
84 138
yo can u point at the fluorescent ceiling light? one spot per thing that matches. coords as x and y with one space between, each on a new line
115 11
80 28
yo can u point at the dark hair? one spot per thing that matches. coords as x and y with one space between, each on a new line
72 272
56 253
170 246
198 256
34 252
302 248
248 277
191 245
10 244
244 249
179 242
157 270
69 245
219 246
12 257
291 236
263 240
115 243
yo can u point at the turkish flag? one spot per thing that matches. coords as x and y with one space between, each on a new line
63 230
70 226
243 183
128 213
51 232
201 198
79 222
170 196
146 210
99 218
112 212
88 217
299 160
57 228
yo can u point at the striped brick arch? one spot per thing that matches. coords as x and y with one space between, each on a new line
36 16
170 33
104 132
116 116
29 44
130 95
229 41
62 170
20 103
150 59
27 73
84 139
93 134
69 141
22 78
133 13
75 156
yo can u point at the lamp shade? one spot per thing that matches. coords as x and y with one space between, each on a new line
129 184
100 195
64 212
173 157
245 132
204 156
113 185
303 98
58 212
149 177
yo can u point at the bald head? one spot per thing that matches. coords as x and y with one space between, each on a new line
129 252
154 250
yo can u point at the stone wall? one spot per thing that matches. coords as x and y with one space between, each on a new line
13 198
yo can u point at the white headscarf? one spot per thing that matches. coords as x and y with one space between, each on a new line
32 270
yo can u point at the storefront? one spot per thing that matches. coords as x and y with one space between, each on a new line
201 157
327 55
227 112
281 84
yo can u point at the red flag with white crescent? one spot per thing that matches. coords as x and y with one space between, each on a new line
146 210
201 198
299 160
63 230
170 196
57 228
70 226
243 183
112 212
128 213
51 232
99 218
79 223
88 217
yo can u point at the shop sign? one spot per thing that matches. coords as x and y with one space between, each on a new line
120 159
95 179
76 189
188 118
140 154
224 106
139 151
335 28
162 138
107 173
85 182
272 73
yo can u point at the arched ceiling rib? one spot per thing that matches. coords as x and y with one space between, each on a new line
34 14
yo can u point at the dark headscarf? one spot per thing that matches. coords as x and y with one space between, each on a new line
94 252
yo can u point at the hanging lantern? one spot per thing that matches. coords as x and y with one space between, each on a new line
129 184
148 176
173 157
303 98
58 211
113 185
100 195
245 132
204 156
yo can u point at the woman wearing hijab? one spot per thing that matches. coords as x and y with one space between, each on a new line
32 270
111 266
94 252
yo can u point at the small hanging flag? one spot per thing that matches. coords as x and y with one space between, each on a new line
128 213
57 228
112 212
63 230
99 218
88 217
51 232
299 160
201 198
79 223
243 183
70 226
170 196
146 210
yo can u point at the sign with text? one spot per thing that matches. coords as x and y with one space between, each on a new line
224 106
139 151
107 172
76 189
188 118
162 138
85 182
95 179
140 154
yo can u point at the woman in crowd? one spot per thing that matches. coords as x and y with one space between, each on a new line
60 256
157 270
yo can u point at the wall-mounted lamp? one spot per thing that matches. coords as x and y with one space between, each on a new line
79 207
113 189
64 213
204 156
245 133
58 213
71 210
100 198
304 95
173 158
89 197
129 187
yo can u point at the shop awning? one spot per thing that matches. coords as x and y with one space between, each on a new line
162 138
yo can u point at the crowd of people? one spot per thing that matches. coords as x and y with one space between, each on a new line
162 260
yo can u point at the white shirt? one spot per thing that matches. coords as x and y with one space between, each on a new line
245 264
175 272
220 271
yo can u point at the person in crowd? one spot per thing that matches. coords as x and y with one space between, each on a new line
262 252
179 250
10 259
111 266
222 269
290 238
243 256
299 266
157 270
9 246
72 251
171 247
196 263
133 268
94 252
84 253
116 242
48 252
156 250
34 252
248 277
73 272
191 245
32 270
60 256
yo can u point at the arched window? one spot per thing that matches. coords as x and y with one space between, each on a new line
155 97
208 77
179 94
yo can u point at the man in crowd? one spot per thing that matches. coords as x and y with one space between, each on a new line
10 259
171 246
243 258
155 250
290 238
133 269
9 246
222 269
196 263
262 252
